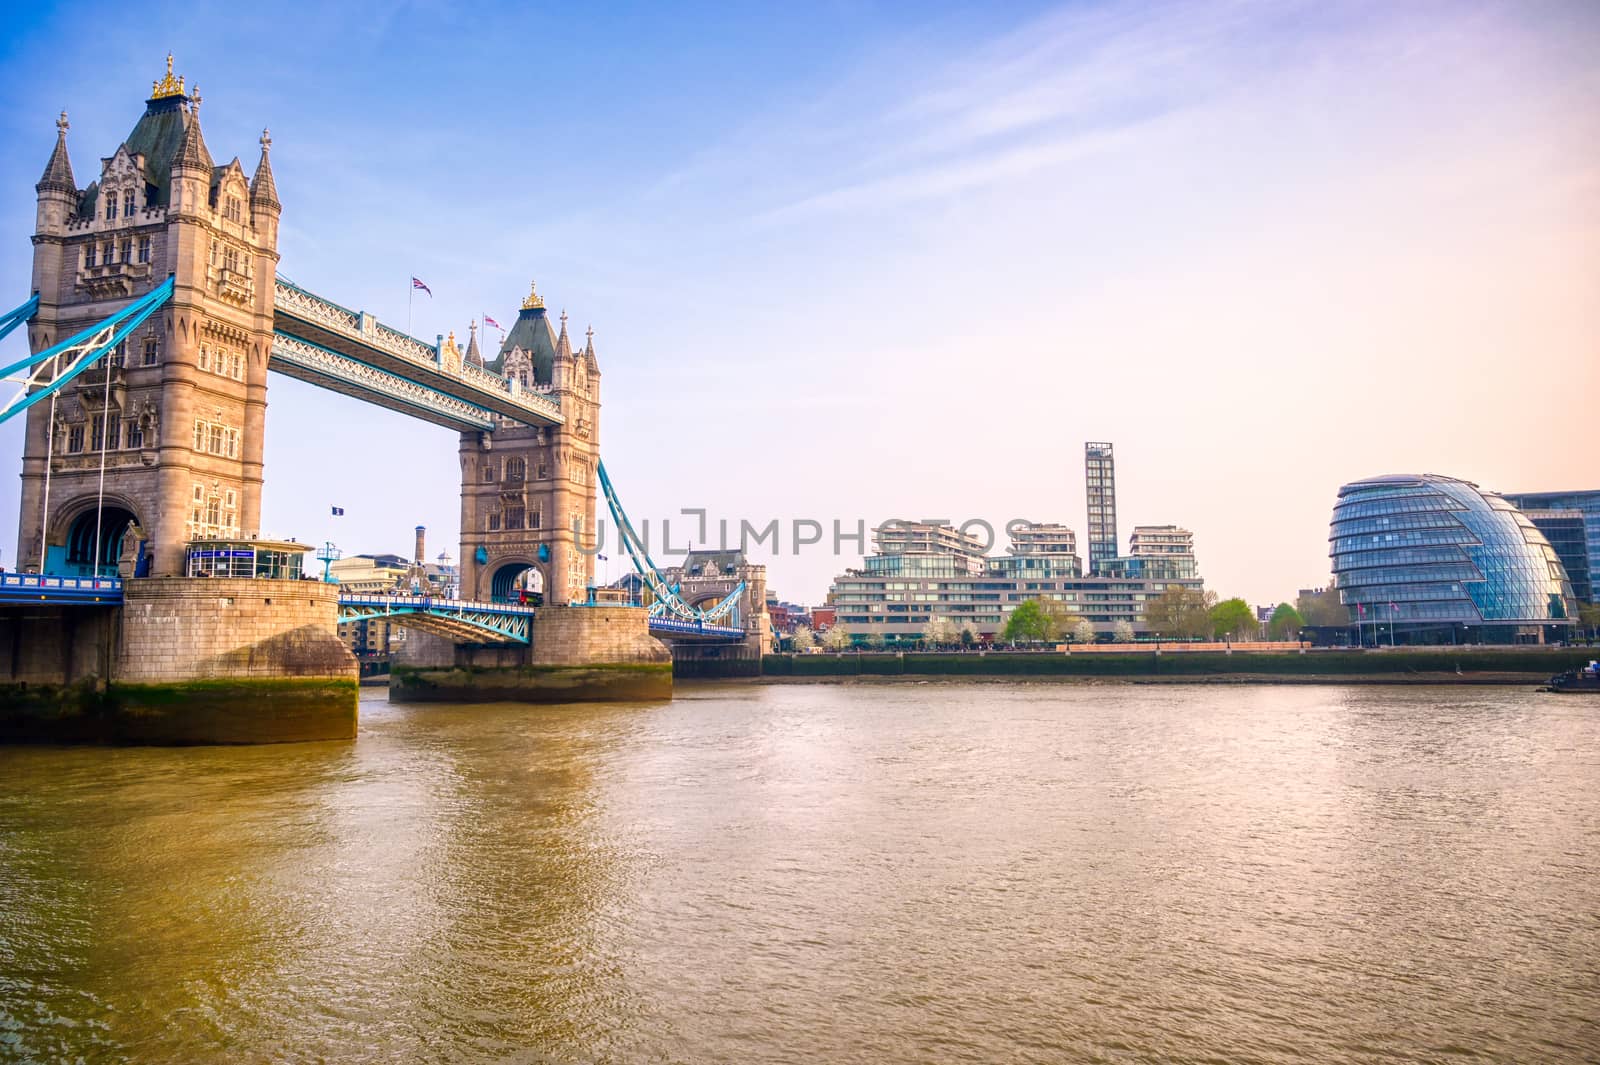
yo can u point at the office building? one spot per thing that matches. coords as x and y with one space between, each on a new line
1547 508
1432 559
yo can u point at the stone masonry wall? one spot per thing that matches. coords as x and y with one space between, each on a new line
181 629
592 635
57 644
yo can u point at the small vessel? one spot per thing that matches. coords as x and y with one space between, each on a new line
1574 681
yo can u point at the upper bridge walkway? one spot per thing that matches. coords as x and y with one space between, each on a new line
351 352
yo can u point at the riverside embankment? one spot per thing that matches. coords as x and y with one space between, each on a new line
1458 665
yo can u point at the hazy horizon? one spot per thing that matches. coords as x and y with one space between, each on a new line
849 263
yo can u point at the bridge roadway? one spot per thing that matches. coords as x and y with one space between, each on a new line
462 620
351 352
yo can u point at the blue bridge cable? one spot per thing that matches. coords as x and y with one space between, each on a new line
17 315
667 598
92 348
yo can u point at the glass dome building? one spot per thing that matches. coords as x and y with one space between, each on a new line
1431 559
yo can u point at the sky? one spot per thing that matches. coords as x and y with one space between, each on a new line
853 261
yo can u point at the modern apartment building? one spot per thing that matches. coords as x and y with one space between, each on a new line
1100 487
898 595
1155 552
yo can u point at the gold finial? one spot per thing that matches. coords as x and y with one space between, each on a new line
450 341
61 124
167 86
534 300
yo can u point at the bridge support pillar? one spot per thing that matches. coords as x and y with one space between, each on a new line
578 654
184 661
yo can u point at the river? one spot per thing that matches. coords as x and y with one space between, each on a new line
938 872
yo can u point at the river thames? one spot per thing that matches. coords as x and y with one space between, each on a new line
902 872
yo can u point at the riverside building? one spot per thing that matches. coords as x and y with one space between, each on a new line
1432 559
1571 522
927 570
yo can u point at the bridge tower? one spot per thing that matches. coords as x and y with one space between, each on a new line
174 419
528 493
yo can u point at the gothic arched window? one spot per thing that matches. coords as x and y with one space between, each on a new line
516 469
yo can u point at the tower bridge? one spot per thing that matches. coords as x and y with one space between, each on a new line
156 314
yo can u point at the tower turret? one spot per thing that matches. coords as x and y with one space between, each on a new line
192 165
264 206
58 192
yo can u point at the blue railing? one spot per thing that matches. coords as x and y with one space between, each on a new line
48 588
694 628
430 604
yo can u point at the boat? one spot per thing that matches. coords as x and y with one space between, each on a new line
1576 681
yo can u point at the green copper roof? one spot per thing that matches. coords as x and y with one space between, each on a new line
532 333
157 136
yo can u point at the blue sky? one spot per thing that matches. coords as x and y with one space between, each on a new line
861 261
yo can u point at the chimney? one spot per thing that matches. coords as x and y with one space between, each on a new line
418 558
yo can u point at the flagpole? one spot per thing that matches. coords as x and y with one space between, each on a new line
410 291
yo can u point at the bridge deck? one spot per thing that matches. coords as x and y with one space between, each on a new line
61 591
387 367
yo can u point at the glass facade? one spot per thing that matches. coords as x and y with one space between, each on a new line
1586 504
1100 485
1435 559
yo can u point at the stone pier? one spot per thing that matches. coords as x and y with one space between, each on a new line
183 661
578 654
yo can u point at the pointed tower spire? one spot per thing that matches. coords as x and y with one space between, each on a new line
473 355
58 171
263 190
563 345
192 153
591 363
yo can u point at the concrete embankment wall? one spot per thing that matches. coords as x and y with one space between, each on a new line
1464 665
183 661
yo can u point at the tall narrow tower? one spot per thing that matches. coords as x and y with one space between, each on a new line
1100 483
528 493
171 423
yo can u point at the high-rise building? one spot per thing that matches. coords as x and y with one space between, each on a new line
1100 484
1155 552
1540 508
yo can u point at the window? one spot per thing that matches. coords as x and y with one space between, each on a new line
514 516
230 209
230 260
534 520
494 521
238 366
135 435
516 469
88 255
199 438
104 433
152 352
106 253
488 472
118 356
127 204
111 206
75 438
127 250
144 249
544 471
205 357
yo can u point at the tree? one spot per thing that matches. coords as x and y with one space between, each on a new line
1286 623
1181 613
940 632
1083 631
837 639
967 638
1589 617
875 641
803 639
1235 618
1122 632
1323 608
1037 621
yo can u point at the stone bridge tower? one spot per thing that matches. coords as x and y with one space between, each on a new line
174 417
528 494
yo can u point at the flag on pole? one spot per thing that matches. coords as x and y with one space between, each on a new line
490 321
417 283
338 512
1395 607
1360 609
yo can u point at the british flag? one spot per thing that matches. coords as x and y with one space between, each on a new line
417 283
